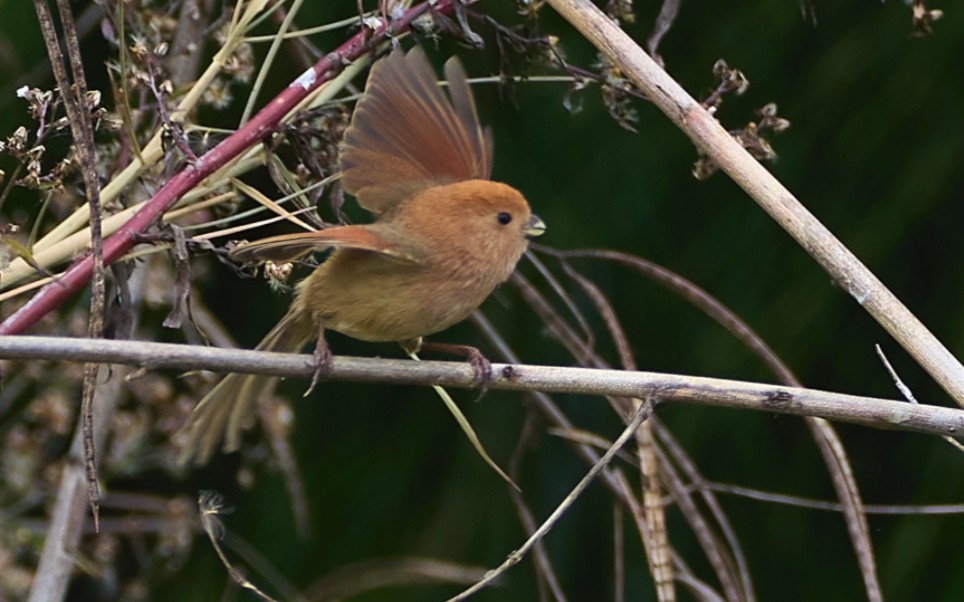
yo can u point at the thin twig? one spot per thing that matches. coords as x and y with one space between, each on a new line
657 546
643 411
75 99
722 558
351 581
845 483
548 582
619 555
675 451
209 506
907 393
812 504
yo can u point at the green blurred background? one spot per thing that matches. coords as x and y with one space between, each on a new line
875 151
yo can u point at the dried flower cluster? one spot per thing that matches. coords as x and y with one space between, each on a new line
29 145
754 135
923 18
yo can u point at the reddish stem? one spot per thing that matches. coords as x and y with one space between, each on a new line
77 275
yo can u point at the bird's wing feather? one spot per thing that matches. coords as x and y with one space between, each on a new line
478 140
406 135
290 247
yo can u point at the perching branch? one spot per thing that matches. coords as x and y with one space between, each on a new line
866 411
710 137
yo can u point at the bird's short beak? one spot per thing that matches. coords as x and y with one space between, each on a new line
534 227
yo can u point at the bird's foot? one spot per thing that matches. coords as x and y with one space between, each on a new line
322 363
481 367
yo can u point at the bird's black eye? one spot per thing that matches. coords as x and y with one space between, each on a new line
505 218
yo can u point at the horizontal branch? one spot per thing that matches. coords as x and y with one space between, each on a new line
866 411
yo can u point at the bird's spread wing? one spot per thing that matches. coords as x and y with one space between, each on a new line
405 134
290 247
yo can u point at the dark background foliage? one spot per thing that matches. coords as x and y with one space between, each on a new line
875 151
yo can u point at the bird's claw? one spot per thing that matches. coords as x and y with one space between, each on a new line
322 363
481 371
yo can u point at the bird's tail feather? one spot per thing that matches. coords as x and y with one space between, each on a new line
230 407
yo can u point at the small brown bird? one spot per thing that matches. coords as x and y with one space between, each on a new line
444 236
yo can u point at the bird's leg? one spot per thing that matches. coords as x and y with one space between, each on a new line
481 367
411 346
322 361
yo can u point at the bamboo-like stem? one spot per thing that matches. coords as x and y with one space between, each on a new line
866 411
845 269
